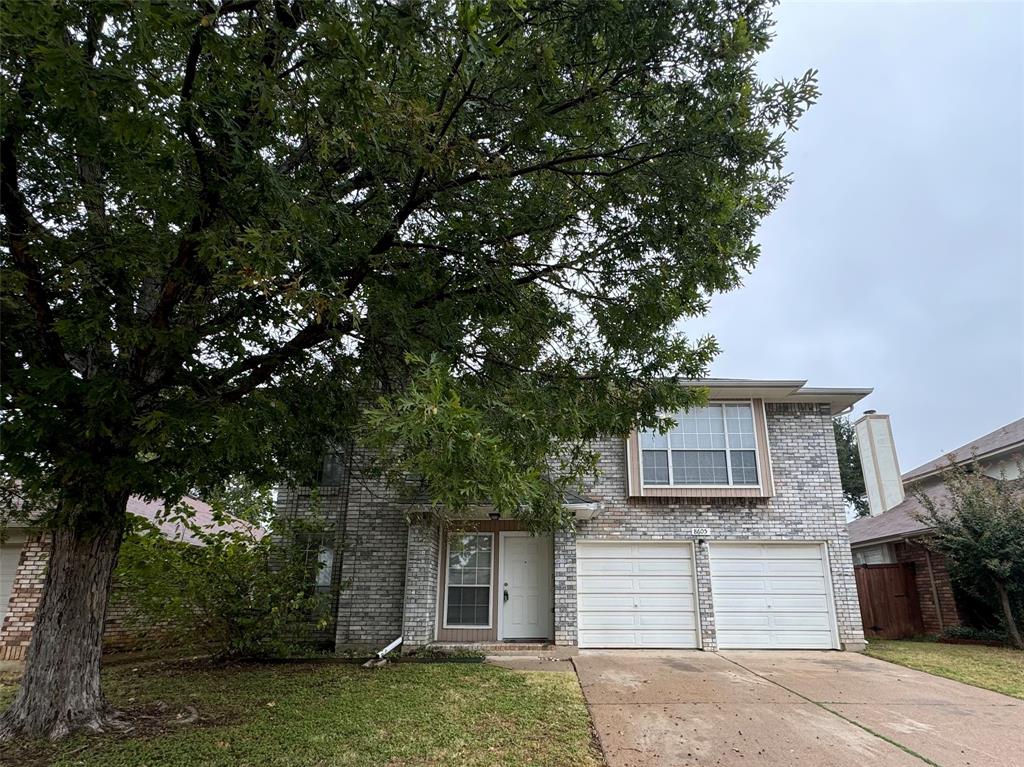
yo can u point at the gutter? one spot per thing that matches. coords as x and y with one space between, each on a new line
893 538
584 511
379 660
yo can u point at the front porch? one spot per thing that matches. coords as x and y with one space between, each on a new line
547 650
484 585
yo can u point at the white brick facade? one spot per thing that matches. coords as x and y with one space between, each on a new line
808 506
388 571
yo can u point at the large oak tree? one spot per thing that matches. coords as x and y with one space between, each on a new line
237 232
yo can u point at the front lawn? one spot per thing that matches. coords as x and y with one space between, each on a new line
994 668
332 714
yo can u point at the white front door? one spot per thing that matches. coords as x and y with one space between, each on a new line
527 587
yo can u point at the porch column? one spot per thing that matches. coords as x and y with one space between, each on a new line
565 588
421 570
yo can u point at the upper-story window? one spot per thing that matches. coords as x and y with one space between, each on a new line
711 445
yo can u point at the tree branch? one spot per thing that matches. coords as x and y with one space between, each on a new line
19 222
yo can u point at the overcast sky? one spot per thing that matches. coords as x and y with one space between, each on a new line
897 260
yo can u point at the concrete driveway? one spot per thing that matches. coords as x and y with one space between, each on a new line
677 708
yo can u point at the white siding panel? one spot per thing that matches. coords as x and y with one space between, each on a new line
10 553
771 596
636 595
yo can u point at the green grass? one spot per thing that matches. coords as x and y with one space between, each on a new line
994 668
333 714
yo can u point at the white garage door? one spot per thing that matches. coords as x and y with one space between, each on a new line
771 596
10 552
636 595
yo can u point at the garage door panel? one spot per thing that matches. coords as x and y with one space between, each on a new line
634 639
636 620
773 620
650 602
636 595
767 567
667 550
634 584
660 566
734 602
725 551
772 596
781 640
604 567
755 585
800 602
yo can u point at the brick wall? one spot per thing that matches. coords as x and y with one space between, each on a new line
119 633
915 551
419 621
808 506
371 605
26 592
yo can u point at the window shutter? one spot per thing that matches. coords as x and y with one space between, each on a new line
633 479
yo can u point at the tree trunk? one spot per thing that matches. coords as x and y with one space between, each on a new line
60 689
1011 624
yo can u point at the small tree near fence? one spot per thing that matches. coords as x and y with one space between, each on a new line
979 527
240 593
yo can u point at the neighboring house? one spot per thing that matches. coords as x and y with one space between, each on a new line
729 532
23 557
893 534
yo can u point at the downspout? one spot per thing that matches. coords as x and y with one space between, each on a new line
931 582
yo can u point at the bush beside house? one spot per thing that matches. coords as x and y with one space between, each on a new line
26 556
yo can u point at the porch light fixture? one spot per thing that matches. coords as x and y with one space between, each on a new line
494 515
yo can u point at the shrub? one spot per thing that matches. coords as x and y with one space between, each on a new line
975 634
239 594
979 527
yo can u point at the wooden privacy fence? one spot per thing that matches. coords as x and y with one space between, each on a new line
889 604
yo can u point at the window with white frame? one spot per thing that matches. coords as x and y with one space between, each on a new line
881 554
711 445
468 596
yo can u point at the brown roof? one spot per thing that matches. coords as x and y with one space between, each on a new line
202 516
1003 438
898 522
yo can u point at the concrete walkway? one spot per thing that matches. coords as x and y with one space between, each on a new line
672 709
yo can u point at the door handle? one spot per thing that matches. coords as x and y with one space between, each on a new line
506 596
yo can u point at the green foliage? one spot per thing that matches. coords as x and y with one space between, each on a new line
229 227
979 527
850 471
974 634
238 594
238 498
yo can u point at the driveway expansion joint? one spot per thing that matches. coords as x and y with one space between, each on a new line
824 707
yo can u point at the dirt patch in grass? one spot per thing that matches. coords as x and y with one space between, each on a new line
149 721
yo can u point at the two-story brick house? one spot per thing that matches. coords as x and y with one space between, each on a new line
727 532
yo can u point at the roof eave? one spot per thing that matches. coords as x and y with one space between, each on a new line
892 538
910 478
